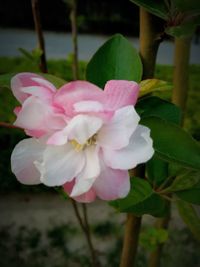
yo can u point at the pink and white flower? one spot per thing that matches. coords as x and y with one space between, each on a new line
83 138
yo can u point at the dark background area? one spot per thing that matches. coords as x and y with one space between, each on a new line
94 16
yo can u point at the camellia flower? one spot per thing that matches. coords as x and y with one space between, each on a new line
83 138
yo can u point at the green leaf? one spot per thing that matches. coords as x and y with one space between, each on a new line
172 143
190 217
184 181
116 59
157 8
157 170
155 106
152 237
5 80
153 85
191 195
140 190
154 205
141 200
187 5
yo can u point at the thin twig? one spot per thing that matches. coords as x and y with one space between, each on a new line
86 229
8 125
38 29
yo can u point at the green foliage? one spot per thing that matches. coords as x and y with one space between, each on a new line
191 195
165 134
190 217
115 59
141 200
157 170
181 17
154 85
152 237
157 8
154 106
184 182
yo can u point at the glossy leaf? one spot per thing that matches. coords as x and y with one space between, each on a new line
157 8
190 217
157 170
192 195
154 205
172 143
116 59
185 181
153 85
155 106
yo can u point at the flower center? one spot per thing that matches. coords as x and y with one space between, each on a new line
78 147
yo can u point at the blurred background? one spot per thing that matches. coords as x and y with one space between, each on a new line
37 226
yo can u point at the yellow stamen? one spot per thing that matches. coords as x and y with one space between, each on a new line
78 147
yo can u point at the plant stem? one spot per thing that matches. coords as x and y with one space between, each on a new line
149 42
38 29
73 18
181 72
155 256
131 237
179 97
86 230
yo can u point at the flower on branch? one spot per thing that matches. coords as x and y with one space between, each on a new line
82 138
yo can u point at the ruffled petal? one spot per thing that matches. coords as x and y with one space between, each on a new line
120 93
60 164
23 160
25 84
117 132
74 92
38 117
139 150
111 184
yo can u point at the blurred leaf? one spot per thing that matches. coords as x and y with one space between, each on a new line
184 181
152 237
190 217
153 85
157 8
26 53
116 59
155 106
172 143
191 195
157 170
5 80
187 5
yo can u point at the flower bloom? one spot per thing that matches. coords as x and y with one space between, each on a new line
82 138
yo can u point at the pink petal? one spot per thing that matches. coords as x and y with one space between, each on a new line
74 92
23 80
23 160
120 93
87 197
111 184
38 117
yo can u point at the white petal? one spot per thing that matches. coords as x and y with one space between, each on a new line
82 127
139 150
60 164
88 106
116 134
91 170
23 157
